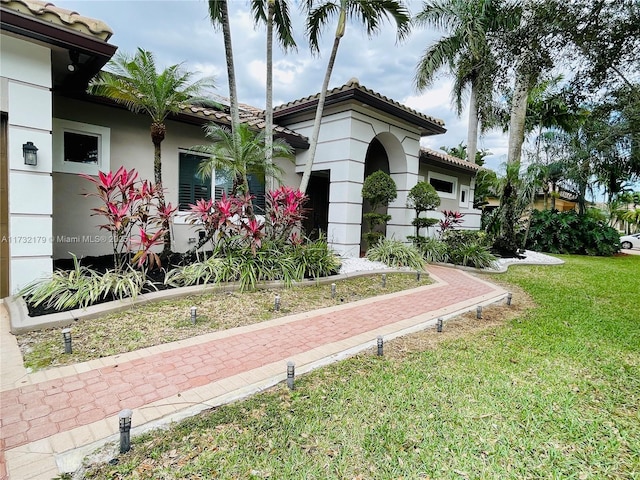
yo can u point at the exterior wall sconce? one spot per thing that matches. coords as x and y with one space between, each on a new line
30 154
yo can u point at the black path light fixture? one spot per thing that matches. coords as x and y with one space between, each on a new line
124 419
30 154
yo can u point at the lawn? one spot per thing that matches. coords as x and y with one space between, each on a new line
553 393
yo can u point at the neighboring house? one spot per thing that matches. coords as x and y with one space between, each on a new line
49 55
565 200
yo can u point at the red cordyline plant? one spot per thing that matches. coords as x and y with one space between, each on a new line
450 221
285 212
127 205
227 222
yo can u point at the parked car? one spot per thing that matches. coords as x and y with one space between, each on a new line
630 241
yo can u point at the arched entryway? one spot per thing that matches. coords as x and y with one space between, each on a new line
375 159
384 153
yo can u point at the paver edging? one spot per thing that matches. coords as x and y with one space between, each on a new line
21 322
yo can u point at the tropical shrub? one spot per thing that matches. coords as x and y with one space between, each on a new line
272 261
450 221
568 232
396 254
228 224
423 197
471 254
134 213
432 249
378 189
82 286
316 258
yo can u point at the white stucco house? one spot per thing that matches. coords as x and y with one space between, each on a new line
48 56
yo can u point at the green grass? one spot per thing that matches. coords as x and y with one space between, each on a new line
553 394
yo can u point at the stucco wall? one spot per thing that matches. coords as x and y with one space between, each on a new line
74 229
345 135
464 179
26 95
131 147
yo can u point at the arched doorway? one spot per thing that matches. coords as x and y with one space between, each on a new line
375 159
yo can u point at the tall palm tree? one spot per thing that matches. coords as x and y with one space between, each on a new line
465 51
219 16
277 14
135 82
370 13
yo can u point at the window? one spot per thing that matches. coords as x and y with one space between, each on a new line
464 196
80 147
192 188
445 185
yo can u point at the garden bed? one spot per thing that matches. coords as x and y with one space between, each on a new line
97 332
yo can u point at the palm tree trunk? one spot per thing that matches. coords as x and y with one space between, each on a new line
517 118
472 129
268 139
319 110
158 131
231 73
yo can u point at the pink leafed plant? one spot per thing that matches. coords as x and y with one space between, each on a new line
128 203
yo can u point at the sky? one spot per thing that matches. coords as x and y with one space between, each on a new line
179 31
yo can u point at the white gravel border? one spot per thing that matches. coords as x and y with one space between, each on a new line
350 264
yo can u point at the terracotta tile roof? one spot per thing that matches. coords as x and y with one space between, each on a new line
48 12
250 115
427 153
353 85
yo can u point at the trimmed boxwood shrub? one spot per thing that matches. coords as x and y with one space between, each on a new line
567 232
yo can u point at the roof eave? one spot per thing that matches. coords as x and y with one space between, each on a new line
427 127
52 34
194 119
471 167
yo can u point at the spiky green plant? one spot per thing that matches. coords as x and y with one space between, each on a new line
396 254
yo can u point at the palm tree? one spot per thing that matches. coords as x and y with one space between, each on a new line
465 51
277 14
371 14
219 15
240 154
135 82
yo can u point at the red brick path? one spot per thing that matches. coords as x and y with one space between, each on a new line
37 411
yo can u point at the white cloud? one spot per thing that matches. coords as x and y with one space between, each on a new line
180 31
430 100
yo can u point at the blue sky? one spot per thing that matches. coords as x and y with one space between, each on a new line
179 31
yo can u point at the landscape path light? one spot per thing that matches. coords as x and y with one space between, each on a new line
291 373
66 336
125 430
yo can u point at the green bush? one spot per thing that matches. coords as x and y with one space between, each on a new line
423 197
471 254
567 232
82 286
316 259
471 248
378 189
287 263
432 249
396 254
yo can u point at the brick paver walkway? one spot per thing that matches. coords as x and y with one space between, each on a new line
65 405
